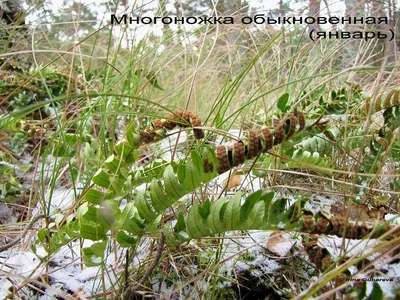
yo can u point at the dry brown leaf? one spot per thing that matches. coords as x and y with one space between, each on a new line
234 181
279 243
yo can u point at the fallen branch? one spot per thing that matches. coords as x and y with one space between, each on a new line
130 290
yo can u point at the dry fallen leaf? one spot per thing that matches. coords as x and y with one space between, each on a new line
279 243
234 181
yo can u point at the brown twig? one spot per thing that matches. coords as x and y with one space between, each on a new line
28 227
129 291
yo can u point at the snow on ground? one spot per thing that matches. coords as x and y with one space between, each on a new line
60 200
65 270
65 267
321 202
8 215
254 246
168 144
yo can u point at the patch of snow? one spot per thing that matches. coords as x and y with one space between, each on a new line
87 274
255 261
164 289
168 144
7 214
24 263
384 282
45 170
241 266
233 133
68 277
359 248
265 264
3 163
61 199
353 247
318 202
394 271
260 237
64 270
395 219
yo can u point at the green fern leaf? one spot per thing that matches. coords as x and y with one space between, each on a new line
252 211
94 255
96 197
195 224
91 214
249 204
180 224
92 231
192 176
101 178
144 208
255 217
214 219
232 213
198 163
275 211
125 240
158 197
172 186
